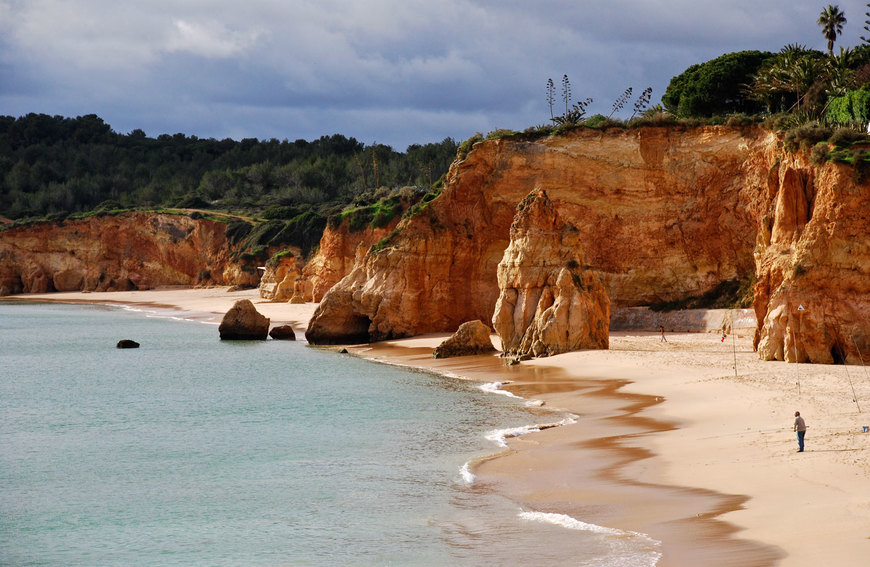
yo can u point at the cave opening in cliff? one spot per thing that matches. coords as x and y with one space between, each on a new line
838 354
358 330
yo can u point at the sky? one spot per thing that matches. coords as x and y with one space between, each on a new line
393 72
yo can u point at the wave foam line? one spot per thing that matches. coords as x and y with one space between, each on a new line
500 436
467 476
495 388
645 554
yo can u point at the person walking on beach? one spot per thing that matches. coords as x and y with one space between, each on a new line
801 427
663 339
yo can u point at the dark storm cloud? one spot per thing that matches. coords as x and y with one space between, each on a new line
395 72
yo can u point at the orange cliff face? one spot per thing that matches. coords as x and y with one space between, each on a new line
812 295
340 248
121 252
662 213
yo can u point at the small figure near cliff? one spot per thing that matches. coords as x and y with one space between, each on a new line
801 427
724 334
663 339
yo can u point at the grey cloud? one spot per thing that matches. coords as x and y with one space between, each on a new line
391 70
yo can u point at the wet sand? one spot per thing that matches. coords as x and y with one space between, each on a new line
669 441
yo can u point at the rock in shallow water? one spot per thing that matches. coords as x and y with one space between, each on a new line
127 343
244 322
283 333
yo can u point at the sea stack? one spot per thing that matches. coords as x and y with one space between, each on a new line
550 301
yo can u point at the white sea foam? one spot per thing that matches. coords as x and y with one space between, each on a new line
495 388
160 313
628 548
467 476
500 436
567 521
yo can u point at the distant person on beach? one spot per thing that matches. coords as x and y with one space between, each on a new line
663 339
801 427
723 336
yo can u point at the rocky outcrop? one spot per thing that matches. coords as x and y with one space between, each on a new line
127 343
283 333
340 249
244 322
115 253
279 279
812 296
662 212
550 302
471 338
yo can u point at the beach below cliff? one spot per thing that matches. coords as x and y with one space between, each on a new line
689 441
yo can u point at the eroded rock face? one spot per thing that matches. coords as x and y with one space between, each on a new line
550 302
340 249
663 213
471 338
279 279
117 253
812 296
244 322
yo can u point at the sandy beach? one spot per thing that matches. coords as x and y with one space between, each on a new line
689 441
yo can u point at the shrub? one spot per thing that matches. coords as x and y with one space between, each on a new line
860 165
846 137
741 120
500 134
277 257
805 137
853 106
237 230
466 146
820 153
601 122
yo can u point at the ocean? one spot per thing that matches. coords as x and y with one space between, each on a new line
196 451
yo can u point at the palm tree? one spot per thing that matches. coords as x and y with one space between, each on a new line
831 19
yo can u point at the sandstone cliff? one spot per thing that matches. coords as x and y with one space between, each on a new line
122 252
663 213
279 279
340 249
549 301
812 296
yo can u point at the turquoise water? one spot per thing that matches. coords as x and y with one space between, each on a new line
194 451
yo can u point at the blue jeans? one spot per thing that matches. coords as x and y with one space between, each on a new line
801 440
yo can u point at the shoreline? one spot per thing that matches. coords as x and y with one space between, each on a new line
671 441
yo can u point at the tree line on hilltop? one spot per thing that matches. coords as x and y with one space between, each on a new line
52 166
797 87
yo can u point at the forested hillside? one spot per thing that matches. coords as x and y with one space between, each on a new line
52 166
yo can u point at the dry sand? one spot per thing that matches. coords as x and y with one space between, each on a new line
669 440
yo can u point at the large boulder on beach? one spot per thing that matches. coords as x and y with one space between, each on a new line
244 322
471 338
